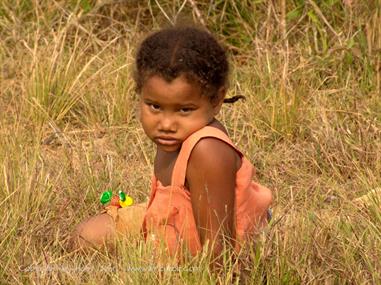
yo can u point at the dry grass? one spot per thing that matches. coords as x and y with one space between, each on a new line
311 125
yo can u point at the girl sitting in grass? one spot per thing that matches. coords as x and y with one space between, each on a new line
202 191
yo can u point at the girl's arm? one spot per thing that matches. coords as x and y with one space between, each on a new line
211 175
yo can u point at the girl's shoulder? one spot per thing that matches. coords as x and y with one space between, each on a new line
212 152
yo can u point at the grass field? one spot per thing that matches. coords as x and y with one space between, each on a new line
311 124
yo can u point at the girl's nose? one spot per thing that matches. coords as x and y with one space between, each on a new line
167 124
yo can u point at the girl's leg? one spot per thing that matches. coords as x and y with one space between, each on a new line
128 221
94 232
103 229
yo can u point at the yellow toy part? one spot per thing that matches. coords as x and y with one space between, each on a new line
127 202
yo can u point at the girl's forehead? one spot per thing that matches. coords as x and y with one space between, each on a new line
181 80
156 87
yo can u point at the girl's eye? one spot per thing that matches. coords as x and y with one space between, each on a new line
154 107
185 110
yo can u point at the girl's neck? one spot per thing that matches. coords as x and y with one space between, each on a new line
215 123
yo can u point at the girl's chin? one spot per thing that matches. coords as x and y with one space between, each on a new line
169 148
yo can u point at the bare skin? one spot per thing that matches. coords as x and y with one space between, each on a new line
101 230
93 232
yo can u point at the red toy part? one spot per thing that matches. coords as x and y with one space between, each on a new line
115 201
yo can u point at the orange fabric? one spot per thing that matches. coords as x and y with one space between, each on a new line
169 215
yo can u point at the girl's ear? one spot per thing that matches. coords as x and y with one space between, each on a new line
217 104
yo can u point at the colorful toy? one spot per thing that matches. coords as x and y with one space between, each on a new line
106 197
120 201
125 200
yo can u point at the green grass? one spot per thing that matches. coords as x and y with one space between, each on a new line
311 124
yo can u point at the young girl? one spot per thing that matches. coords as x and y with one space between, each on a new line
202 190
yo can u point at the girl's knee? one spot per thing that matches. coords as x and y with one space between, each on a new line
95 232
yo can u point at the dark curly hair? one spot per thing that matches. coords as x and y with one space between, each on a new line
187 51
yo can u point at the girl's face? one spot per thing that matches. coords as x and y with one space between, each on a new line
170 112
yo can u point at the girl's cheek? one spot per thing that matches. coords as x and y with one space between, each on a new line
143 112
144 117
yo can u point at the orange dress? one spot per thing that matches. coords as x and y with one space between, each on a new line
169 215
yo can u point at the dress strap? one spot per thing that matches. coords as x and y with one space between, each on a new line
180 168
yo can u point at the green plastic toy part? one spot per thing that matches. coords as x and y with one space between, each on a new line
106 197
124 199
122 196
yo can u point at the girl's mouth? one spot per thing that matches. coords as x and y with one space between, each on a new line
166 141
